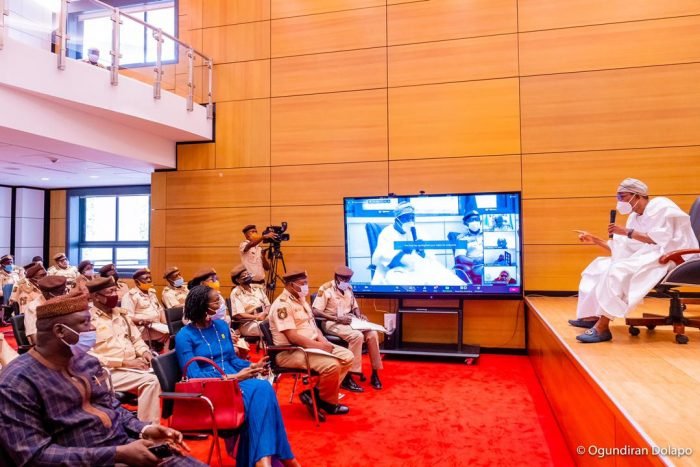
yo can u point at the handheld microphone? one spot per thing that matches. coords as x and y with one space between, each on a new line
613 214
413 232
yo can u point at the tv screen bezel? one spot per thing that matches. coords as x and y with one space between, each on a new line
438 295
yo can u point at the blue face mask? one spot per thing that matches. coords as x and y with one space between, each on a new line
86 341
8 268
178 282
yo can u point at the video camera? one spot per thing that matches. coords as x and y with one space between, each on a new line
278 230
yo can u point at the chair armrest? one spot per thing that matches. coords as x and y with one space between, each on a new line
677 256
282 348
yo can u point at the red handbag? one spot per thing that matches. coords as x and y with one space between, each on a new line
224 394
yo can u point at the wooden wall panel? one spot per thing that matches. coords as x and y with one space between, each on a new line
456 60
196 156
242 80
158 227
327 183
243 133
438 20
158 265
211 227
452 120
158 192
632 108
329 72
58 204
312 225
57 233
318 261
455 175
590 214
329 32
557 267
495 323
598 173
549 14
287 8
225 12
251 40
218 188
342 127
193 258
644 43
193 11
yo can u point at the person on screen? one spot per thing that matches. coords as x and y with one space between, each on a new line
408 264
469 261
504 278
611 286
500 225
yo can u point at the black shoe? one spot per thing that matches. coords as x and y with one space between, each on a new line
334 409
374 381
351 385
305 398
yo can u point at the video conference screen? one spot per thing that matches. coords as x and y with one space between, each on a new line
453 245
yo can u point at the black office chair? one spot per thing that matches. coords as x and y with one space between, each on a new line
18 330
8 310
684 273
173 318
319 324
167 369
306 373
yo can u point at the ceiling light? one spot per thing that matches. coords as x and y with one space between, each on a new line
45 179
94 176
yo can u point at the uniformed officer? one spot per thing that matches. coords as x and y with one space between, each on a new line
469 261
64 269
9 274
145 309
292 322
120 348
252 255
248 304
86 271
110 270
50 287
175 292
335 302
26 289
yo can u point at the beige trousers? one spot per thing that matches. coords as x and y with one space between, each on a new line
146 385
355 338
331 370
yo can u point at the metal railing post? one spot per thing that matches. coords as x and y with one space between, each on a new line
190 79
210 99
116 55
158 36
62 35
3 12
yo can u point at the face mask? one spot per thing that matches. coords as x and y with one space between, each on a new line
213 284
89 273
144 287
93 58
408 226
8 268
624 207
220 313
474 226
246 279
86 341
304 290
178 282
111 300
343 286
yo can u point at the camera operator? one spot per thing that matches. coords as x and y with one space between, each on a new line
251 253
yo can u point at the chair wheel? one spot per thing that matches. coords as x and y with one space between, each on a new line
681 338
651 327
634 331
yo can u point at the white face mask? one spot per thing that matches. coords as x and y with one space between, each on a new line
178 282
86 341
343 286
304 290
93 58
624 207
474 226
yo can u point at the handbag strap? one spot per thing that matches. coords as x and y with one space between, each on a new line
205 360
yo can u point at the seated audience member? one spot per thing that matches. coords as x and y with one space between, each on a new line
26 289
264 436
7 353
611 286
292 323
469 261
9 274
335 302
248 303
94 57
86 271
252 255
145 309
38 259
50 287
175 292
119 348
110 270
62 268
56 407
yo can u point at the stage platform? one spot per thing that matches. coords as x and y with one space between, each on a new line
632 401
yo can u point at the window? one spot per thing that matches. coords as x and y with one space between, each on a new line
110 226
137 45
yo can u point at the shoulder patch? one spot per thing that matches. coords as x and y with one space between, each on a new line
282 313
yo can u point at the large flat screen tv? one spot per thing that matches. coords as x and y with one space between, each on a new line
441 246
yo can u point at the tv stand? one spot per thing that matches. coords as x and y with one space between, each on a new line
395 345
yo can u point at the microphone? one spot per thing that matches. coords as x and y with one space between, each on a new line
413 232
613 214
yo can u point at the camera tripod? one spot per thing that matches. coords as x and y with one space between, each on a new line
275 257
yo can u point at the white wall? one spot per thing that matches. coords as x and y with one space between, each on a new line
5 219
29 225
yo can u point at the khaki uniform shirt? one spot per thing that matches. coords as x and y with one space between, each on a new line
173 296
243 301
24 292
252 260
122 289
30 315
332 300
70 273
288 312
143 306
118 339
10 277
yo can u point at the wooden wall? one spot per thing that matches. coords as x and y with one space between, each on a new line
321 99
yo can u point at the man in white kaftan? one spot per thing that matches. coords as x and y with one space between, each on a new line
612 286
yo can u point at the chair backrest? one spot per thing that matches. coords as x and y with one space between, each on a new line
173 317
19 331
695 217
266 335
167 369
373 230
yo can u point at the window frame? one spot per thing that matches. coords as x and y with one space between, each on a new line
76 223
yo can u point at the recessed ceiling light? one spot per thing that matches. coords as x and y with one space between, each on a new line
45 179
94 176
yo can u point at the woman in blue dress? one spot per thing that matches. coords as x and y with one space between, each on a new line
263 436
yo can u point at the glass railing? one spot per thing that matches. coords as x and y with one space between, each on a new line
138 42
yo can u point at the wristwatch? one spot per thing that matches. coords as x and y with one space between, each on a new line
629 233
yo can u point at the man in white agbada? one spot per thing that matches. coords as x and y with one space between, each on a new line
612 286
407 265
